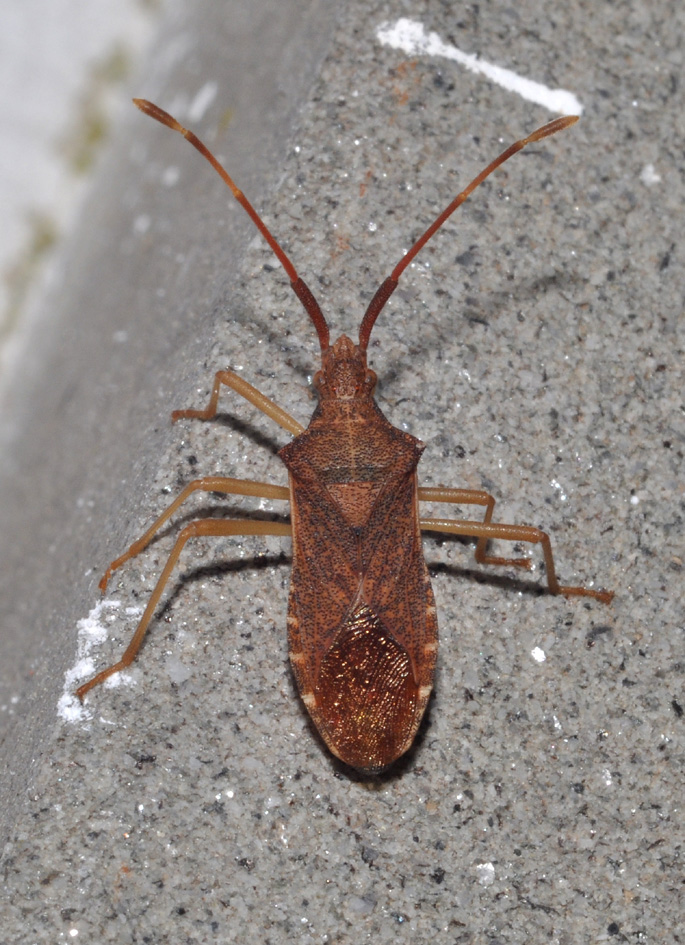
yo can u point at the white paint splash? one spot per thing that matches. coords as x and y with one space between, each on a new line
649 176
92 632
411 37
538 654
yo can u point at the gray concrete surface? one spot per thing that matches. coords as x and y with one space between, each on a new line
536 348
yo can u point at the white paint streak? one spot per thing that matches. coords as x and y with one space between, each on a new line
92 632
411 37
202 101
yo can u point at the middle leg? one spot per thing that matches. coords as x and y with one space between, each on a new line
474 497
486 531
224 484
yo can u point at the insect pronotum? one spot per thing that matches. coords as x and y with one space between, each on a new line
362 627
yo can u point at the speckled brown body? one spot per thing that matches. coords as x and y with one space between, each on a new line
362 628
361 622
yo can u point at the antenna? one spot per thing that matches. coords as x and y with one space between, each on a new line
387 287
299 286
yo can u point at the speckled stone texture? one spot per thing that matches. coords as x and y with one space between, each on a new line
536 348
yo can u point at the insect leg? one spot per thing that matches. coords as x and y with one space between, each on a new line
255 397
527 533
224 484
204 527
474 497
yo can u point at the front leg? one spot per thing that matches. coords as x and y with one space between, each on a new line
250 393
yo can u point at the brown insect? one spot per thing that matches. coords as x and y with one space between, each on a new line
362 627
